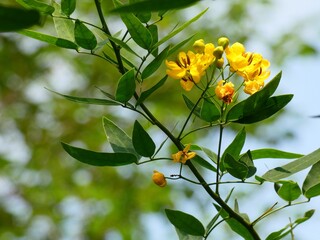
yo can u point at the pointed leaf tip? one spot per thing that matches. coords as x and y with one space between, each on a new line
84 37
99 158
141 141
185 222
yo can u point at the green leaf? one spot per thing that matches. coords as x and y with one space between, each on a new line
234 224
235 147
209 111
216 217
123 45
280 234
64 27
142 142
258 113
59 42
273 153
184 236
126 87
68 6
247 160
84 37
153 29
311 185
36 5
210 154
118 139
155 64
139 33
287 170
306 216
236 168
99 158
144 17
191 105
288 190
237 210
212 222
179 45
203 163
277 234
94 101
249 106
154 5
13 19
144 95
185 222
179 29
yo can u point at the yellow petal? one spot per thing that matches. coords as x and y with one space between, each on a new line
177 156
186 85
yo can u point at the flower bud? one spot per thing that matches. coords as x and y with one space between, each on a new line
218 51
199 46
220 63
159 179
223 42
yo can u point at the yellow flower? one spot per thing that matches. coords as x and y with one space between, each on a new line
184 155
258 69
186 68
236 57
251 87
159 179
225 91
190 66
206 58
251 66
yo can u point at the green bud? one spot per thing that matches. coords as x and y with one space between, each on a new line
199 46
224 42
220 63
218 51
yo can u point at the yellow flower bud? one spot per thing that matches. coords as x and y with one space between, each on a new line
199 46
218 51
159 179
220 63
224 42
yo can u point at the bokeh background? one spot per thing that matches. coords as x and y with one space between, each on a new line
45 194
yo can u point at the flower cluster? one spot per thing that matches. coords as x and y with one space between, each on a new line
191 66
251 66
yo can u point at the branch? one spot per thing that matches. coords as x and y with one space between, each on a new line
175 140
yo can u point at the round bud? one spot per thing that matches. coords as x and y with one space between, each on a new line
159 179
218 51
223 42
220 63
199 46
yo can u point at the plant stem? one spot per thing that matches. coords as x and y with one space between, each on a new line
176 141
271 211
219 158
107 31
